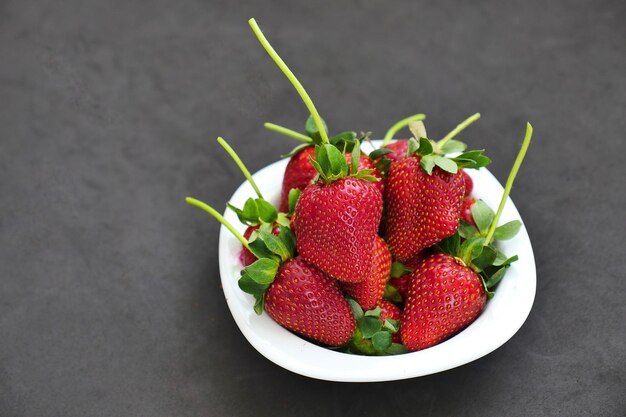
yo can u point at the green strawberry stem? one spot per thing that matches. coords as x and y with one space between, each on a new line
288 132
509 181
292 78
241 166
458 129
219 218
399 125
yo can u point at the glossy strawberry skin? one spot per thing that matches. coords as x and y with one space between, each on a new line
469 183
335 226
399 149
402 283
298 174
307 301
466 210
445 296
370 291
390 311
245 256
421 209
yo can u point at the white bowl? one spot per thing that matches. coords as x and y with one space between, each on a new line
503 316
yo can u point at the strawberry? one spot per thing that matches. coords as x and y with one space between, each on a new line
336 226
256 212
298 174
370 291
469 184
389 153
450 289
424 193
398 150
307 301
466 209
422 208
296 294
245 256
337 217
390 311
401 273
444 297
382 159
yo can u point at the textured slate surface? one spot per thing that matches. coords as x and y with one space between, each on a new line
109 293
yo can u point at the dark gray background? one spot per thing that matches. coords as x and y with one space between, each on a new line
109 290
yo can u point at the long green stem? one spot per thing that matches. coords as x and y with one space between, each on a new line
288 132
401 124
509 181
292 78
459 128
241 166
219 218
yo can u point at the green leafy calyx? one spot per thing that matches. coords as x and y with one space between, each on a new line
477 250
470 244
484 259
331 164
373 336
344 141
433 153
272 251
398 269
255 211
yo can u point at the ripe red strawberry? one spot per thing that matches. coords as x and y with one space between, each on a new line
336 219
390 311
445 293
422 209
309 302
399 149
444 297
466 210
370 291
298 174
469 184
424 191
397 152
296 294
245 256
402 282
335 225
382 164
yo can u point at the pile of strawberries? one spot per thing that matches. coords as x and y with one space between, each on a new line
372 254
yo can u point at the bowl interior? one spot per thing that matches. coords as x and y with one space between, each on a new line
501 319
